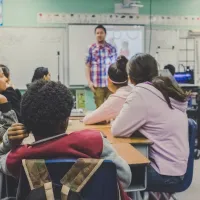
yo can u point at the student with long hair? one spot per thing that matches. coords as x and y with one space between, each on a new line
12 95
7 114
118 85
157 109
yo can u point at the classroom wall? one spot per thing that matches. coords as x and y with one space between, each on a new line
24 13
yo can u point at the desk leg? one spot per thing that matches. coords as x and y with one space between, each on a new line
142 148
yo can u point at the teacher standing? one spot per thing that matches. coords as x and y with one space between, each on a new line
99 58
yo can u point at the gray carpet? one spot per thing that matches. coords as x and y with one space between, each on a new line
193 193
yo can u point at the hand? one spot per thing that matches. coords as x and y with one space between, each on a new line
91 86
16 134
3 99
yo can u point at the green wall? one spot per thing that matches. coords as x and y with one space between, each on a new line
24 13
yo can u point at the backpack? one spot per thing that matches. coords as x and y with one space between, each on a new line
42 187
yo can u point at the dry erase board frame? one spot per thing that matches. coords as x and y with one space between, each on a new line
74 74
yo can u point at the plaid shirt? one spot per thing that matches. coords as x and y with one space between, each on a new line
100 57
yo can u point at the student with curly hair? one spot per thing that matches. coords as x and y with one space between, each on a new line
45 108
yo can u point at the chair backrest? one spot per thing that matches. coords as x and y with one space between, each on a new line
185 184
189 173
102 185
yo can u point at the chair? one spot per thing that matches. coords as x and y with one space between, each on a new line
189 173
102 185
8 187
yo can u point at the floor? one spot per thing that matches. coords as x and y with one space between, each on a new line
193 193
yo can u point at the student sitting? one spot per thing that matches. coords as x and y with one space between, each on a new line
7 115
118 85
171 69
40 73
13 96
157 109
45 108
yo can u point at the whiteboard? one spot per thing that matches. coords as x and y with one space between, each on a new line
80 37
165 39
24 49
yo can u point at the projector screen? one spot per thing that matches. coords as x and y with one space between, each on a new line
128 41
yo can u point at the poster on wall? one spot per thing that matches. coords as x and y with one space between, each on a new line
127 40
80 99
1 12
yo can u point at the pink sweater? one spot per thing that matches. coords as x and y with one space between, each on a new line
110 108
146 110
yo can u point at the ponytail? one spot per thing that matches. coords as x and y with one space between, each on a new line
169 89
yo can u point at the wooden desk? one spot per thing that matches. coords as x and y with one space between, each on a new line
105 129
76 118
133 150
130 154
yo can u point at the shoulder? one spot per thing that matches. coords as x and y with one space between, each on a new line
128 88
136 93
92 46
86 136
147 89
123 92
9 92
110 46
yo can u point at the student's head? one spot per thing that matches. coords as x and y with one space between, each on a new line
169 89
142 68
117 74
41 73
46 107
3 81
100 32
6 71
171 69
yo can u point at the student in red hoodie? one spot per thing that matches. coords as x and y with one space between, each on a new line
45 109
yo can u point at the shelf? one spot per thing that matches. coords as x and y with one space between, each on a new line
187 61
186 49
188 85
186 38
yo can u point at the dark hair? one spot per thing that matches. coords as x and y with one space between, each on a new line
5 70
102 27
142 67
117 72
39 73
45 108
171 68
169 89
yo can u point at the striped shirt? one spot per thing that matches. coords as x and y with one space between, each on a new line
100 57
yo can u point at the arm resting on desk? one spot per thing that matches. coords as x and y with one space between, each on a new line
123 169
132 116
107 111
